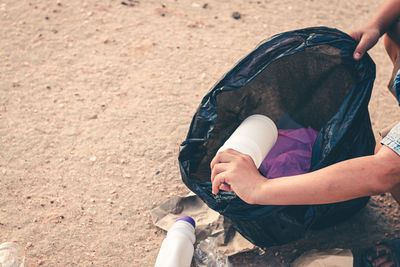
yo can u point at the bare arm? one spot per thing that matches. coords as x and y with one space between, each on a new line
349 179
345 180
368 35
387 14
395 191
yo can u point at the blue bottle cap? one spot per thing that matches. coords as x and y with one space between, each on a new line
187 219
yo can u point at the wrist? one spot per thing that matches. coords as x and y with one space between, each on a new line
261 194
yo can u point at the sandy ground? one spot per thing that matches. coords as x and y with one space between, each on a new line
95 98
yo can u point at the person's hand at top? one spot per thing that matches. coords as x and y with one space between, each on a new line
234 171
366 37
380 23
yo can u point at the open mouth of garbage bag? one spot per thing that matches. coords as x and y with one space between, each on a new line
310 75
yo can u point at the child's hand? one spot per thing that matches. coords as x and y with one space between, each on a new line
234 171
366 37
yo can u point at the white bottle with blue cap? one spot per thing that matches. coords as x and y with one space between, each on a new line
177 248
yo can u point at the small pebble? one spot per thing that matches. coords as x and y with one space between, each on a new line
205 5
236 15
92 117
93 158
157 172
131 3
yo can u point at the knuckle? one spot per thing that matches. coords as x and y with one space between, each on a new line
230 150
242 156
245 158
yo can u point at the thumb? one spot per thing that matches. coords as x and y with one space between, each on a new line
361 48
367 40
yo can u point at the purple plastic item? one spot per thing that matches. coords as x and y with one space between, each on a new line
187 219
291 154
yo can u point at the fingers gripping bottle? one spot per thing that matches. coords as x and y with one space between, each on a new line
177 248
255 136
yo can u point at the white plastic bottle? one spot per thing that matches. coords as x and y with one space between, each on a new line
11 255
177 248
255 136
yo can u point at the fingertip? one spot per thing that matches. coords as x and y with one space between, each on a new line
214 188
357 55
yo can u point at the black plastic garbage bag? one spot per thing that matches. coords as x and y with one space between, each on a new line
309 74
